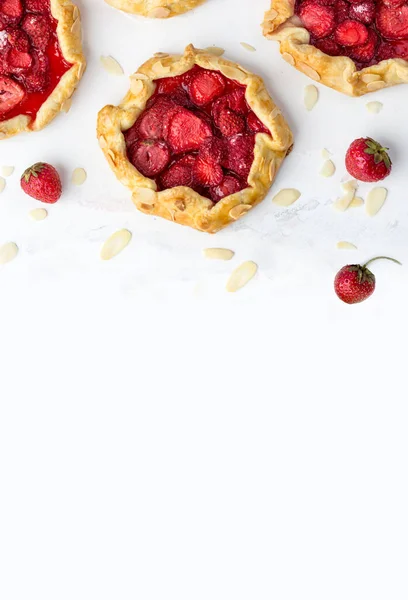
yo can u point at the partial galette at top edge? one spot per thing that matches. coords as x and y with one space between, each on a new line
353 46
41 62
198 140
155 9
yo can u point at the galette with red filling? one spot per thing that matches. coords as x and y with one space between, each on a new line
41 61
197 139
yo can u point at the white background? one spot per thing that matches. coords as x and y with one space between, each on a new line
162 439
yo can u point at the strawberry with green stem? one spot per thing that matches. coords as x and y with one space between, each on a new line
356 283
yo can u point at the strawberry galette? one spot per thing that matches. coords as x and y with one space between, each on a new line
41 62
354 46
197 139
157 9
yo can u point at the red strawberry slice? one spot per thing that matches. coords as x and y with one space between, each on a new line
393 3
17 39
18 61
38 6
392 23
229 185
38 29
213 149
152 124
319 20
187 131
365 53
11 94
37 78
12 10
169 84
351 33
230 123
255 125
207 172
389 50
342 10
329 47
240 154
364 12
149 157
205 86
180 173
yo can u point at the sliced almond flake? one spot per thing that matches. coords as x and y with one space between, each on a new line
145 195
275 112
8 252
76 27
369 77
325 154
346 246
350 186
38 214
343 203
376 85
7 171
286 197
307 70
115 244
374 107
2 184
111 65
271 14
136 86
289 58
237 211
215 50
160 12
241 276
356 202
311 96
272 170
375 200
161 54
66 106
79 176
233 73
218 253
328 169
248 47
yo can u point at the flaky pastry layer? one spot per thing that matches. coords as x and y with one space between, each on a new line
182 204
155 9
69 37
337 72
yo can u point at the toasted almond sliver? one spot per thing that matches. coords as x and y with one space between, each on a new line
237 211
8 252
2 184
343 203
218 253
356 202
286 197
376 85
248 47
79 176
111 65
328 169
374 107
289 58
311 96
38 214
350 186
369 77
215 50
6 171
325 154
375 200
346 246
115 244
241 275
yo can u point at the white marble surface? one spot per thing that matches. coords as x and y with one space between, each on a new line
161 438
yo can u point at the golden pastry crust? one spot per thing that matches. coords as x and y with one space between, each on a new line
69 37
155 9
182 204
337 72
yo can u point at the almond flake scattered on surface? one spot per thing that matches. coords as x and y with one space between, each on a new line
2 184
38 214
325 154
374 107
6 171
115 244
241 276
346 246
328 169
311 96
286 197
111 65
8 252
375 200
343 203
356 202
79 176
218 253
215 50
350 186
248 47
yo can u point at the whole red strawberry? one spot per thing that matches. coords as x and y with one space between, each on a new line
42 182
367 160
355 283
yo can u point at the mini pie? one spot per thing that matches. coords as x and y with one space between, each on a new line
41 62
157 9
354 46
197 139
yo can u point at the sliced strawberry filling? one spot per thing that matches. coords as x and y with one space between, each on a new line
30 55
363 30
197 131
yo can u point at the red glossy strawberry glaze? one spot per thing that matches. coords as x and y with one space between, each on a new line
208 128
335 25
58 67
